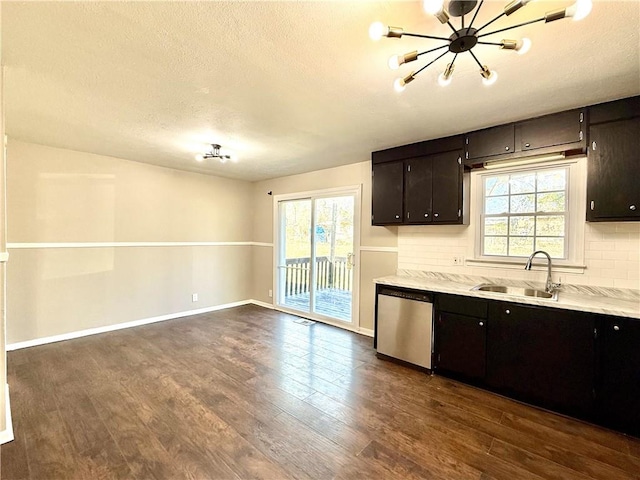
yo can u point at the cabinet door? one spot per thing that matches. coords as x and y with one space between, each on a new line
542 356
619 391
417 190
613 189
492 141
558 129
460 345
386 193
447 187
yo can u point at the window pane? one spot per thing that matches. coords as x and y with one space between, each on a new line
523 183
495 205
525 211
552 225
551 202
523 203
495 246
552 180
495 226
553 246
520 246
496 186
521 226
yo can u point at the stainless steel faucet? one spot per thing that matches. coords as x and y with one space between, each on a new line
550 286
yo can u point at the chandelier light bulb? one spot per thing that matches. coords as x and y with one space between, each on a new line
433 7
443 81
399 85
523 46
395 61
490 79
444 78
376 31
579 10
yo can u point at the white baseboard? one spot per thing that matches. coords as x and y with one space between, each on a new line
145 321
366 331
6 435
262 304
119 326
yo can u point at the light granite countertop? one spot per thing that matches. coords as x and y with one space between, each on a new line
608 301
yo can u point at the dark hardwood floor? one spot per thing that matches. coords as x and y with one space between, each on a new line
248 393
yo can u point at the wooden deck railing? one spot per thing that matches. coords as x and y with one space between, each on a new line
336 274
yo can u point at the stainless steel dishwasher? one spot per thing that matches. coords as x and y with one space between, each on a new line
404 325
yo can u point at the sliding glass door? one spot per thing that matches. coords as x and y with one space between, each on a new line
316 254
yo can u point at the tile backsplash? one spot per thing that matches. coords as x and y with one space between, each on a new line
611 256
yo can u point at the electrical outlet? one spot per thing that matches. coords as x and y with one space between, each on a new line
458 260
270 293
194 297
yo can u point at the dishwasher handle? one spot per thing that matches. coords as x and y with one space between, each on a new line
409 295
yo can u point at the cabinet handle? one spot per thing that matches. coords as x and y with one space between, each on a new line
594 145
616 328
426 215
527 145
632 207
435 214
481 324
593 204
397 216
507 312
506 148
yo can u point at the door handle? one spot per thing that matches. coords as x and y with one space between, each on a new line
350 260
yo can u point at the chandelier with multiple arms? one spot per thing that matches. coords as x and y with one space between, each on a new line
214 153
465 38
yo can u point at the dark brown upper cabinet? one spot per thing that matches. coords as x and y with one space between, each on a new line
420 184
433 189
386 193
564 131
491 142
613 189
423 183
551 130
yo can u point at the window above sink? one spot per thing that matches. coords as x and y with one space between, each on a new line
518 210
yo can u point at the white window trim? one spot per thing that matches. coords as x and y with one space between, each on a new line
576 214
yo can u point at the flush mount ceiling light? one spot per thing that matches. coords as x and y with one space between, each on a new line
466 38
214 153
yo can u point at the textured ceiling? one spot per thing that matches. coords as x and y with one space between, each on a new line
289 87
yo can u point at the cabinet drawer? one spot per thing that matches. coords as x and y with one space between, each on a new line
471 307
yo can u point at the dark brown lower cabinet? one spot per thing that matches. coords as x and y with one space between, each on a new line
543 356
619 392
578 363
460 345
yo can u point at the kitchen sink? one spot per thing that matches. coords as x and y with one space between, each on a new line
518 291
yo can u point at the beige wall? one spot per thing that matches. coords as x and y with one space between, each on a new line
3 356
56 195
372 263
